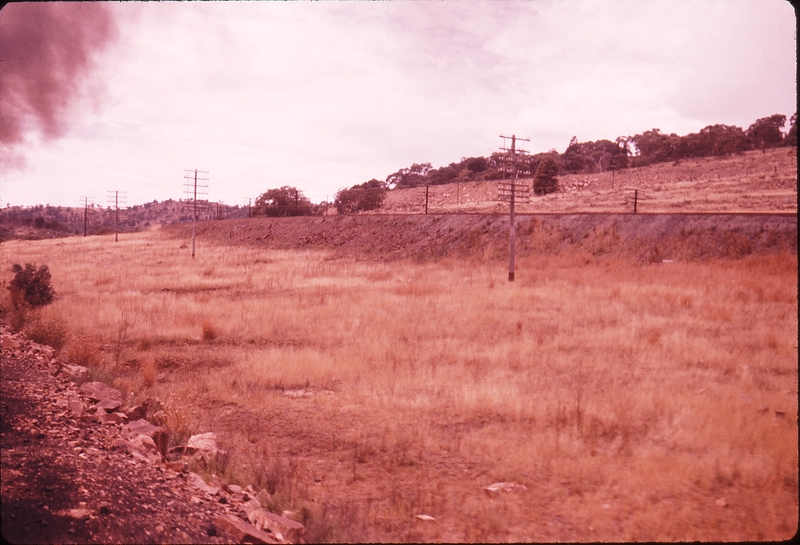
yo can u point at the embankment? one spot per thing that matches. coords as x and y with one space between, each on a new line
644 236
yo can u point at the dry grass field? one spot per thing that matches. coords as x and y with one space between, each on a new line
750 182
634 401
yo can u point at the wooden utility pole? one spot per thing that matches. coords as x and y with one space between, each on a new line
115 198
512 193
86 214
426 198
191 188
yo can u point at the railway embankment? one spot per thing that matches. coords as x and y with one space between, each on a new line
397 236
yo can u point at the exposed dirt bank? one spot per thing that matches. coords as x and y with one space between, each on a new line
644 236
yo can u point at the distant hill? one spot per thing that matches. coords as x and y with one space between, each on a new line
45 221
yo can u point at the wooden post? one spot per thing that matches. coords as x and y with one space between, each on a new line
194 214
116 216
85 215
426 199
635 199
512 234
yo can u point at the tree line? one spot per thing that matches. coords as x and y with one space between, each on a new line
648 148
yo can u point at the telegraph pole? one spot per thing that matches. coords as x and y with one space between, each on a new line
191 188
512 191
86 214
115 198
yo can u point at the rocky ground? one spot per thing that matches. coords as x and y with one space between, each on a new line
74 470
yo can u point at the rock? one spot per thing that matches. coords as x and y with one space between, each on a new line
494 489
76 407
159 435
112 418
204 443
722 502
139 412
234 489
142 447
74 373
425 517
198 482
97 391
110 405
285 529
10 344
240 530
75 513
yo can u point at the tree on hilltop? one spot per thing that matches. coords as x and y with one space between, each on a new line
282 201
367 196
766 132
409 177
791 136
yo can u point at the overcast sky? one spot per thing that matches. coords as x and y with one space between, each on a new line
326 95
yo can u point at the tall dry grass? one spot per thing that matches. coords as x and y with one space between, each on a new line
628 398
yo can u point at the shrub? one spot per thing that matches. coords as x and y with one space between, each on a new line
149 368
82 350
52 332
31 286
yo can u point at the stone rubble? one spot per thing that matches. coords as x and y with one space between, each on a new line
122 478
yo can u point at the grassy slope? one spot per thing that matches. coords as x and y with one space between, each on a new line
751 182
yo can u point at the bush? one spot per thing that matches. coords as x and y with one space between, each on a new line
51 332
83 350
31 286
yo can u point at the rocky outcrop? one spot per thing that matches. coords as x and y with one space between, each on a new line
121 486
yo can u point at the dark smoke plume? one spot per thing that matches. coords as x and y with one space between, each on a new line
46 52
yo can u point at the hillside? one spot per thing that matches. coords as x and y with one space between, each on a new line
750 182
45 221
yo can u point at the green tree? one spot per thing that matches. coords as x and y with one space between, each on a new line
766 132
31 286
367 196
282 201
545 179
413 176
791 136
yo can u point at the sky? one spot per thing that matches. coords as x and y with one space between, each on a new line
118 96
